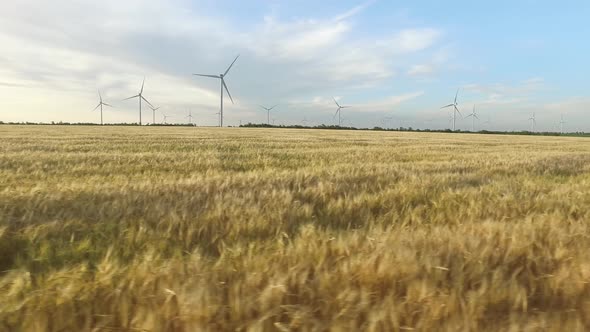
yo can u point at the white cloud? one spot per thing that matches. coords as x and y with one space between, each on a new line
420 70
389 104
354 11
573 107
301 41
500 90
412 40
112 45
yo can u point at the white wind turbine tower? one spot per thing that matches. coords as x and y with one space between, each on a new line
561 123
140 97
533 122
101 104
190 117
455 110
339 111
450 119
221 77
473 116
154 109
268 112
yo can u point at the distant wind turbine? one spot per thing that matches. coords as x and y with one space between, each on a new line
268 112
561 123
533 122
455 109
140 97
218 114
100 105
386 121
154 109
473 116
450 120
221 77
339 111
165 117
190 117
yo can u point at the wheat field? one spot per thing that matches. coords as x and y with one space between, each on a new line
193 229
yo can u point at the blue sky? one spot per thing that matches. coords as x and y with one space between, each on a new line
395 62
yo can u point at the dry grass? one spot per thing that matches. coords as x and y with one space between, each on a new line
171 229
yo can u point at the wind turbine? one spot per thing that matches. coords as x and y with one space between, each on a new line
101 104
165 117
561 123
140 97
386 121
339 111
473 116
190 117
487 124
154 109
455 109
223 86
268 112
218 114
533 122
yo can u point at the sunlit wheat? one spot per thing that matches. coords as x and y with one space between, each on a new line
186 229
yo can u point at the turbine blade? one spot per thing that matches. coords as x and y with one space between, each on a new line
449 105
273 107
456 109
336 101
142 84
475 115
212 76
338 110
131 97
99 96
264 108
470 115
227 90
97 107
105 104
142 97
232 64
456 95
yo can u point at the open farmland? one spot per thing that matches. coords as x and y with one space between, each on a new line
189 229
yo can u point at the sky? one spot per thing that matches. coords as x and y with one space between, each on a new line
395 62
